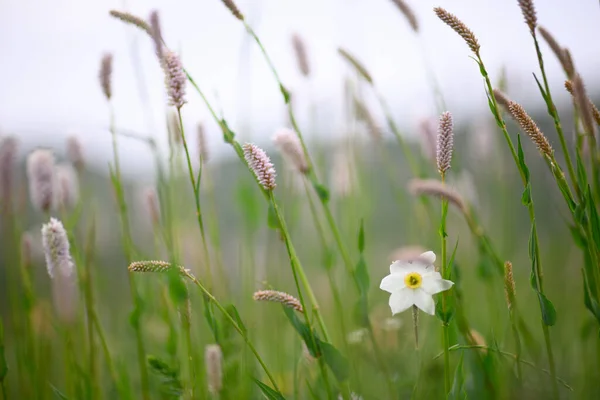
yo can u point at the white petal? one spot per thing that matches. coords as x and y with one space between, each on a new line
433 283
401 300
404 267
428 257
392 283
424 301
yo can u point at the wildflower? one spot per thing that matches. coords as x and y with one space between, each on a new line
40 173
261 165
56 249
175 78
414 283
445 143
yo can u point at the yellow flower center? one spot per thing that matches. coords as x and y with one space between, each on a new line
413 280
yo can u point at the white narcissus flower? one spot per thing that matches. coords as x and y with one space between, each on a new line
414 283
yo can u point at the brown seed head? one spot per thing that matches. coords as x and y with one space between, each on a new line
445 143
509 285
595 112
459 27
261 165
132 19
357 65
233 8
585 105
106 74
408 13
562 54
528 10
156 34
279 297
433 187
501 99
530 128
301 54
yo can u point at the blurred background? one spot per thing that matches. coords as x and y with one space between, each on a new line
51 53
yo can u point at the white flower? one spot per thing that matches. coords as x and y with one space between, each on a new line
414 283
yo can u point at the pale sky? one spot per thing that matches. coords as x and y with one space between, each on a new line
51 52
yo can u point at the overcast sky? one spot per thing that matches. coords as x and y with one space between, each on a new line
50 52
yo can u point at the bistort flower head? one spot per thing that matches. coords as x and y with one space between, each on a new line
414 283
261 165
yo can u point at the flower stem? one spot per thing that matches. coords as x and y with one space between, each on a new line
445 325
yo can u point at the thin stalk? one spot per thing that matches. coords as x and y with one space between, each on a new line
556 118
89 307
107 356
127 247
445 325
196 189
236 327
530 208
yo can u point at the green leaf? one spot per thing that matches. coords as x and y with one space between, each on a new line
442 229
3 364
272 219
548 311
170 383
58 393
178 290
581 173
458 385
533 257
337 362
445 317
564 187
209 316
593 217
361 275
521 158
304 332
451 262
270 394
322 191
285 93
589 302
544 95
361 312
232 310
526 197
361 237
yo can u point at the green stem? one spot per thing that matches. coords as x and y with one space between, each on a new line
445 325
107 356
127 247
236 327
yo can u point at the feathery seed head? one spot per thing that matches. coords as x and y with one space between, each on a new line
233 8
8 155
106 74
459 27
175 78
408 13
213 359
75 152
301 54
530 128
56 249
203 152
156 266
562 54
433 187
288 143
279 297
156 34
445 142
528 10
132 19
509 284
357 65
261 165
40 174
67 186
595 111
501 99
585 105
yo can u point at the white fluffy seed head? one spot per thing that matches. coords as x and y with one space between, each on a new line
75 153
261 165
40 174
56 249
67 186
288 143
213 358
445 142
175 78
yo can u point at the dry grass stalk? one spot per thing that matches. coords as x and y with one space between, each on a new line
357 65
445 142
586 108
459 27
301 54
279 297
528 10
563 54
433 187
595 111
132 19
530 128
509 284
408 13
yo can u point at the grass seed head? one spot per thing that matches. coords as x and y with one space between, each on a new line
261 165
156 34
509 284
40 174
357 65
301 54
156 266
562 54
445 142
67 186
528 10
279 297
203 151
75 153
433 187
132 20
288 143
56 249
234 9
530 128
408 13
586 108
105 75
213 359
459 27
8 155
175 78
